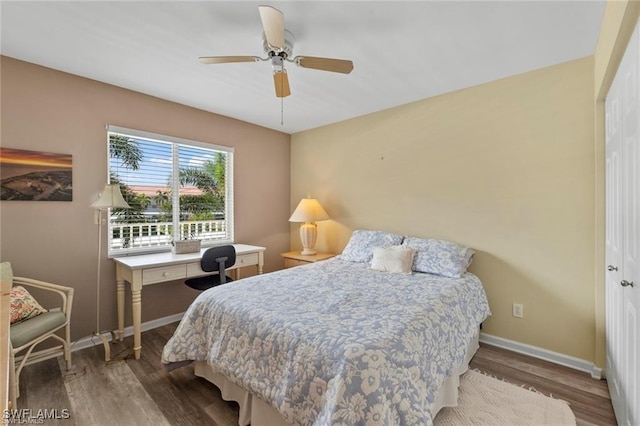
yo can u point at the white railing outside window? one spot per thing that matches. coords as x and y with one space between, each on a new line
141 235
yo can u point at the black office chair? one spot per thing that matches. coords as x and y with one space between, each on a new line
214 259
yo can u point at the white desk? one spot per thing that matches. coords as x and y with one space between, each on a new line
148 269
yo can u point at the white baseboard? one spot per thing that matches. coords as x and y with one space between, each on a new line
87 342
544 354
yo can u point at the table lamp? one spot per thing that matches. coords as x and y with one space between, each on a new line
308 211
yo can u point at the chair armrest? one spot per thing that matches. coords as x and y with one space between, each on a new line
65 293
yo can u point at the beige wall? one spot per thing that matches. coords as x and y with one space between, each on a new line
506 168
47 110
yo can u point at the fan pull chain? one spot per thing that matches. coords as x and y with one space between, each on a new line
282 92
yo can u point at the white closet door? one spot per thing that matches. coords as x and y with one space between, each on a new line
623 236
613 253
631 223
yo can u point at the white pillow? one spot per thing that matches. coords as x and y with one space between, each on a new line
395 259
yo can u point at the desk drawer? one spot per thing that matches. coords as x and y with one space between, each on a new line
194 270
251 259
166 273
246 260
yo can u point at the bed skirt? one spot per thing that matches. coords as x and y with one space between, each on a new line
256 412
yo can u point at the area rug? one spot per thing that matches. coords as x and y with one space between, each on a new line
484 400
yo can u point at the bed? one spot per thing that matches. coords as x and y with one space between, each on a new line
337 342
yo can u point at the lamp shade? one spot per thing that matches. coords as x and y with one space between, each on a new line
110 197
308 210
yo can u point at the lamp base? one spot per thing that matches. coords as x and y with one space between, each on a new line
105 342
308 235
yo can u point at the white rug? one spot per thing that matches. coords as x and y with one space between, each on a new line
484 400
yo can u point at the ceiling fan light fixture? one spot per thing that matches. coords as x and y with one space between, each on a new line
278 61
277 44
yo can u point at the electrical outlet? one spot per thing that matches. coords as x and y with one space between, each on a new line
518 310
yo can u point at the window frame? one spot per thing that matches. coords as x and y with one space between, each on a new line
175 142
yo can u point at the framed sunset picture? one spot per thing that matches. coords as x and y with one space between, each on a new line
35 176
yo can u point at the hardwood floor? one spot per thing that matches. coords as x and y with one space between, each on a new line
130 392
588 398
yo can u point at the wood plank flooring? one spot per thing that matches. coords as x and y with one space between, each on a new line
588 398
130 392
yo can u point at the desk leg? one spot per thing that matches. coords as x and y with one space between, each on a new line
120 301
136 298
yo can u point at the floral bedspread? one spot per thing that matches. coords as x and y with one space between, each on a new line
335 342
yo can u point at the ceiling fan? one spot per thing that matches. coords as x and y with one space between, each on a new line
278 46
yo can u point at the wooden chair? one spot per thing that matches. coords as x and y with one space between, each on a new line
25 335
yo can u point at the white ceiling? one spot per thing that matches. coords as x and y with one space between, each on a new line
402 51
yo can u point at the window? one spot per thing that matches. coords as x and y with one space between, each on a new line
177 189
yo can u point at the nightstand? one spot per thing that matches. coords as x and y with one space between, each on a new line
294 258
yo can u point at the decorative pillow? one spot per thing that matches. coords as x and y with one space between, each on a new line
396 259
23 305
362 242
439 257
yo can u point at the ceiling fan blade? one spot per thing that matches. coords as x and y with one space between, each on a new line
325 64
227 59
281 83
273 24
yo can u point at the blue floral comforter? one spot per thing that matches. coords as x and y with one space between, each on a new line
335 342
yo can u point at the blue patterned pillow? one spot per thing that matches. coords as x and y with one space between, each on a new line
362 242
439 257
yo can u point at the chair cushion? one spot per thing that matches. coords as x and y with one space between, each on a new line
23 305
25 331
